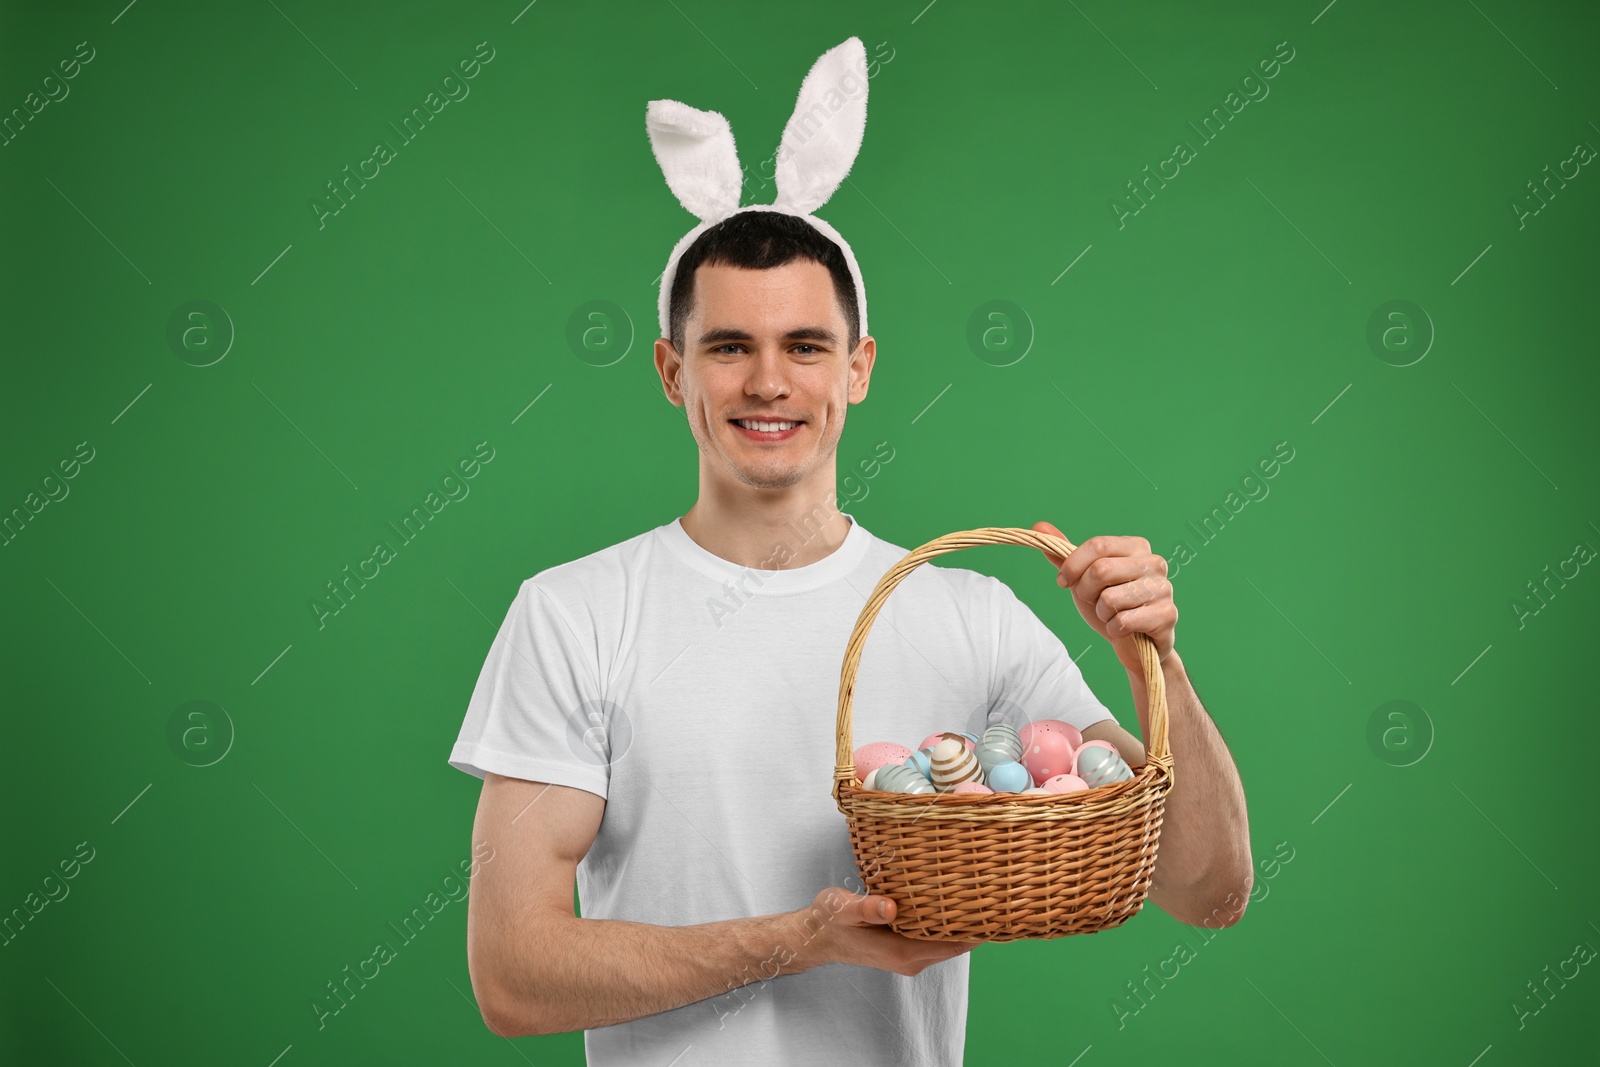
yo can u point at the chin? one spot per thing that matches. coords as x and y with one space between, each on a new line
767 478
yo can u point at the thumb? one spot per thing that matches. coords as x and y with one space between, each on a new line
860 909
876 910
1045 527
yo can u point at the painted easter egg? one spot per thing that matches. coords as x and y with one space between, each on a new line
1050 726
898 778
919 762
1009 778
886 778
1064 783
990 753
1099 763
1003 736
954 763
872 756
970 787
1049 753
934 739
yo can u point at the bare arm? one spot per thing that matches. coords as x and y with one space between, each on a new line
1203 872
1203 869
538 968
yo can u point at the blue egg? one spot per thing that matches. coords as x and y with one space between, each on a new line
1009 777
919 762
991 754
899 778
1099 767
1005 735
888 778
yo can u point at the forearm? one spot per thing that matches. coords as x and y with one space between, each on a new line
1203 867
562 973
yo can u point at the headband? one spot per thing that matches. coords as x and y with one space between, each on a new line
697 156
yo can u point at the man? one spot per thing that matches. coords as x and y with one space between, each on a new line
655 721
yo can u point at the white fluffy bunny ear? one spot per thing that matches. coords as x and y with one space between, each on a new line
824 133
696 153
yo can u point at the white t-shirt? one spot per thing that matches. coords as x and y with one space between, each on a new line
699 698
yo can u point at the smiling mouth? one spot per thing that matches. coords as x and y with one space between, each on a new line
766 424
765 430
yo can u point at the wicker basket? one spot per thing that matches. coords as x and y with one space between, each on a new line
1003 866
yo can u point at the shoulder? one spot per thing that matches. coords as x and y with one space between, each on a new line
600 577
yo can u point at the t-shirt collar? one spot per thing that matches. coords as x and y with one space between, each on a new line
759 581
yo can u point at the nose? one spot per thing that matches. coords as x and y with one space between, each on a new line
769 376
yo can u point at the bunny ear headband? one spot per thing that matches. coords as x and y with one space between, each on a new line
820 142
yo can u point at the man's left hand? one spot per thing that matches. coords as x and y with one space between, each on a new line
1121 589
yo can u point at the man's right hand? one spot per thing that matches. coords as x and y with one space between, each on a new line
845 927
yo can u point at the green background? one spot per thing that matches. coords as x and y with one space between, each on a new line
1436 869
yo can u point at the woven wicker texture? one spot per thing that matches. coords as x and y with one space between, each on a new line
1003 866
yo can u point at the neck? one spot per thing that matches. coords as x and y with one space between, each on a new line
770 530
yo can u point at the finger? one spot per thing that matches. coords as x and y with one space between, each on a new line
945 950
1124 596
943 944
1108 571
1149 619
1098 548
876 911
1045 527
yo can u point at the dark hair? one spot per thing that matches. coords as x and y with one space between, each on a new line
760 240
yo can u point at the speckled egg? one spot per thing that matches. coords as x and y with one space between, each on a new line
877 754
1050 726
970 787
1064 783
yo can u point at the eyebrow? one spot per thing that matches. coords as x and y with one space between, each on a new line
800 333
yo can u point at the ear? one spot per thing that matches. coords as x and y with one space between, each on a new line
696 153
824 133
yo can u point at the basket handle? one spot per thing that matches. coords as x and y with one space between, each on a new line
844 762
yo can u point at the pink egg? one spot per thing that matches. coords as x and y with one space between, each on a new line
971 787
1107 745
1050 726
878 754
1065 783
934 739
1048 754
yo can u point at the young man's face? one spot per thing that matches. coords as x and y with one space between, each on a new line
767 345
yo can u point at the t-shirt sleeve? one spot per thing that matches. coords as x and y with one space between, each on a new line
1034 675
537 711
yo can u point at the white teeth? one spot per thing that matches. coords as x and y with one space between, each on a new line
765 426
